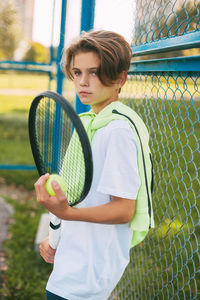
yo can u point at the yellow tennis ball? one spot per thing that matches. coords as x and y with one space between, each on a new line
59 180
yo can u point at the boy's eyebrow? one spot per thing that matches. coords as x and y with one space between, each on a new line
92 68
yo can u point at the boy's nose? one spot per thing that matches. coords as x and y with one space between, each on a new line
84 81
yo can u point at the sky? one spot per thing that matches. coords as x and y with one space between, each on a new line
115 15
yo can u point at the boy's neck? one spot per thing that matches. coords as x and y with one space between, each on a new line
100 106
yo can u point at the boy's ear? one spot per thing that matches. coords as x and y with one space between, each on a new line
122 78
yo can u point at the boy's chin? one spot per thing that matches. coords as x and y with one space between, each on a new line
85 101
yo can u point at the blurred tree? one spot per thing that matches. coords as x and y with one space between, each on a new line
9 29
37 53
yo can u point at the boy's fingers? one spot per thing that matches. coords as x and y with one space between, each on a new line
60 195
41 181
52 251
47 257
47 252
39 187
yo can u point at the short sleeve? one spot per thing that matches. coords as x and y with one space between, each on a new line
120 176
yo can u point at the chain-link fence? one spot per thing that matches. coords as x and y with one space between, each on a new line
166 94
160 19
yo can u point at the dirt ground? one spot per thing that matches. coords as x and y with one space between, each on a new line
15 192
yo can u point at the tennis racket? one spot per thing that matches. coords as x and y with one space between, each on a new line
60 145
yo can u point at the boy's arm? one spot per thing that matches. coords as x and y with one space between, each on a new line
118 211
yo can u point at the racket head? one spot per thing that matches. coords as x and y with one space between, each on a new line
60 144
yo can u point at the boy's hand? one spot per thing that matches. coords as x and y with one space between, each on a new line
46 251
57 204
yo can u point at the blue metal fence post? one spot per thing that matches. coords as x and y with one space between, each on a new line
87 22
87 15
60 75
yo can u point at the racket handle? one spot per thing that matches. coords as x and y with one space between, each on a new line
54 231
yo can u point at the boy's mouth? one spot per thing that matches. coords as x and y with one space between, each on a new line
83 93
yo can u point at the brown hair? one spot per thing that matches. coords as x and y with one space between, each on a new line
113 50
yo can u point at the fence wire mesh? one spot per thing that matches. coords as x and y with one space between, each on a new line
161 19
167 264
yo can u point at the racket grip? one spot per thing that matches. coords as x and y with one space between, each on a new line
54 231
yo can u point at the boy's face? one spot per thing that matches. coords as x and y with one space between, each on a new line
89 88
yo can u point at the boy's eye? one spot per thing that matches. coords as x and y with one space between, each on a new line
77 73
94 73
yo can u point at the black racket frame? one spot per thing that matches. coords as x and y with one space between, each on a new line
87 152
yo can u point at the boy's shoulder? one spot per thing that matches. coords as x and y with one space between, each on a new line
115 128
114 111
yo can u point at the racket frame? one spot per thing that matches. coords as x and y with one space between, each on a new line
77 124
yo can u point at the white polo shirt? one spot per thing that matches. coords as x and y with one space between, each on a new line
91 258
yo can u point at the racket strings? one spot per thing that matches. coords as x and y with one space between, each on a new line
73 169
44 130
60 147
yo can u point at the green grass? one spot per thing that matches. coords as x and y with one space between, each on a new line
14 145
14 140
166 265
32 83
13 105
27 273
13 80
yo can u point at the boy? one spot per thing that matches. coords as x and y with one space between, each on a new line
93 251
